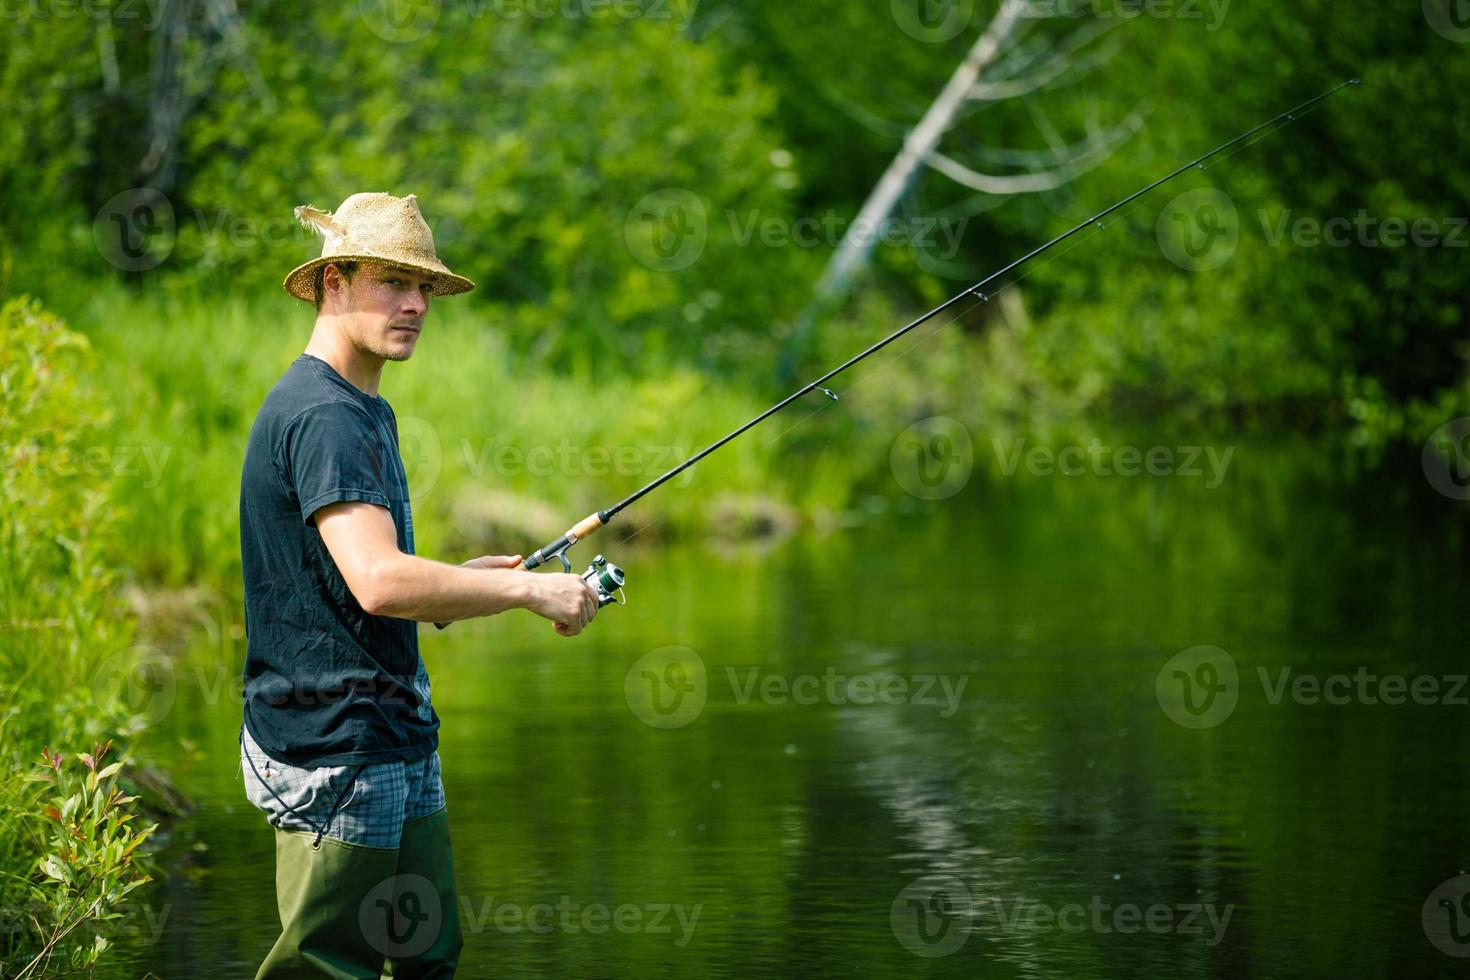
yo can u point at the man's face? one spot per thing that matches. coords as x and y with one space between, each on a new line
386 306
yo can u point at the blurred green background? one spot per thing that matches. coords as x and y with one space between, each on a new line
648 193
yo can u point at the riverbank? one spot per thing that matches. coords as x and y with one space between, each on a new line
78 794
129 430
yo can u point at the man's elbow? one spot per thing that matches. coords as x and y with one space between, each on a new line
376 589
373 603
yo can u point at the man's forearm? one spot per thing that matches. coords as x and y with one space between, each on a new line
410 587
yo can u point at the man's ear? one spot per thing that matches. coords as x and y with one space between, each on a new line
334 284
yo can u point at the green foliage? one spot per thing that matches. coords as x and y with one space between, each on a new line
529 145
532 142
65 635
89 866
501 458
1368 336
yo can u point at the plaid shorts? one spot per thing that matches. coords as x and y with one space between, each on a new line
362 804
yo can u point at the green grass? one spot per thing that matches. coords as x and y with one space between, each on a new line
502 455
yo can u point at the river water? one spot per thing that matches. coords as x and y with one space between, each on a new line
1046 726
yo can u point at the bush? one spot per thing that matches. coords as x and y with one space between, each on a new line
66 853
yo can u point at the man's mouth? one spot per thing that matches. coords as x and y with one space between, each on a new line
412 330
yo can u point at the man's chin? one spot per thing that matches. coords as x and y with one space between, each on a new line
400 350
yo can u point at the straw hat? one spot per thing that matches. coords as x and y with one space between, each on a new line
373 228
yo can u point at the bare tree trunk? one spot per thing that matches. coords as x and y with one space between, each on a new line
918 147
194 39
996 68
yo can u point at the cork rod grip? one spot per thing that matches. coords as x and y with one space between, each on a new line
587 526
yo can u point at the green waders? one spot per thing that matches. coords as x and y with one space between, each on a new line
346 908
425 883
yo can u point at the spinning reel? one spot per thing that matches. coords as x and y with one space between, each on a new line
605 578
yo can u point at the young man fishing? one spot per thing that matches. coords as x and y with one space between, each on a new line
338 740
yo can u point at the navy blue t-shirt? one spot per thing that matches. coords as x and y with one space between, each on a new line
326 683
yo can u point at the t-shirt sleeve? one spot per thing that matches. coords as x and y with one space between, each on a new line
331 453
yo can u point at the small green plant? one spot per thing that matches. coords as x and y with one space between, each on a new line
89 864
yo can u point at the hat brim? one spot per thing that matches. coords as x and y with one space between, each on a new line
301 282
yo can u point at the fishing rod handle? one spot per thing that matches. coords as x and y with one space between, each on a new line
558 549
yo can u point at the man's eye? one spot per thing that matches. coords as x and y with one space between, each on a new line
393 282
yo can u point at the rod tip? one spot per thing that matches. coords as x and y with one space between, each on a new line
1355 81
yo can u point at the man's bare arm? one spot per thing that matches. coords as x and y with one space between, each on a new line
386 582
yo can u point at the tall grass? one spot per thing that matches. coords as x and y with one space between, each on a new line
501 454
65 656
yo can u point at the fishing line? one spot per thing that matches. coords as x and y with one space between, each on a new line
608 579
822 407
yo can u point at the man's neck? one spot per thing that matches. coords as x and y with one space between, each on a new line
362 369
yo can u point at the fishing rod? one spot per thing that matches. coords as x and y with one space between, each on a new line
607 579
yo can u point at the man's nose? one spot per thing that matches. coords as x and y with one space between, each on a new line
416 302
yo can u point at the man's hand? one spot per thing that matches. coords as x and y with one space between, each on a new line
386 582
564 599
571 608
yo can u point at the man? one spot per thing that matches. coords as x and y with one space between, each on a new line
338 740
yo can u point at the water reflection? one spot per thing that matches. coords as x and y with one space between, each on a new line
819 813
